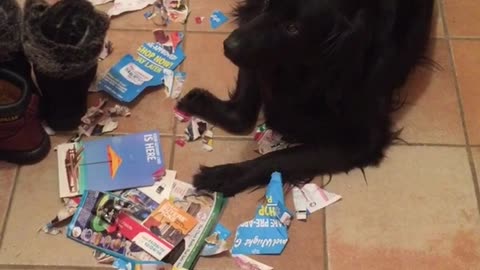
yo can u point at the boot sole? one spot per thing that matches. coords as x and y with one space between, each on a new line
28 157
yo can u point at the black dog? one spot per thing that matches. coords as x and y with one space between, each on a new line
326 74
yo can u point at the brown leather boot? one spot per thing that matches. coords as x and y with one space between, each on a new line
22 137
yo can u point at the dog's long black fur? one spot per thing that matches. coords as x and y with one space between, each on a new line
326 74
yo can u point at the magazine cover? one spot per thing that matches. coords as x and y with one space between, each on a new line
94 225
109 164
99 213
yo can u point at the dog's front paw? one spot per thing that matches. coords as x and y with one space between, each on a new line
196 102
228 179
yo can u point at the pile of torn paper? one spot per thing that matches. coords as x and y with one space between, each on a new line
100 119
147 227
164 11
268 140
196 129
311 198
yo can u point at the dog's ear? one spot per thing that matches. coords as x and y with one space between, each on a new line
346 52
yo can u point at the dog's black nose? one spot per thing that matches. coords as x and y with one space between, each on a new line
231 43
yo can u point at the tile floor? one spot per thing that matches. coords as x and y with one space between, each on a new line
420 209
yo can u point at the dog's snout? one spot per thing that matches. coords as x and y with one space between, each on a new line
231 43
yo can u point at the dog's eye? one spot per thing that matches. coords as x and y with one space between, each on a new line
291 28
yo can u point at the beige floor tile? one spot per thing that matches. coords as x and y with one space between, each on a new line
242 208
8 174
152 109
34 203
207 67
467 63
136 20
205 8
462 17
418 211
431 113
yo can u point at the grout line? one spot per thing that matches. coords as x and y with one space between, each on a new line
171 163
209 32
326 259
250 138
465 38
462 111
431 144
9 204
121 29
225 32
51 267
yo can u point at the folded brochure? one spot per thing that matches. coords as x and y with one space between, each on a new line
109 164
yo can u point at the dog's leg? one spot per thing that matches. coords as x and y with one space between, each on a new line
296 164
237 115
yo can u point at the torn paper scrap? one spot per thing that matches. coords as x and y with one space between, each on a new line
98 121
169 41
122 6
283 214
247 263
48 129
149 15
99 2
178 82
177 10
199 19
119 110
168 81
63 215
181 116
120 264
103 257
174 83
207 141
180 142
161 190
217 19
106 50
265 234
195 129
159 14
318 198
216 243
269 140
300 204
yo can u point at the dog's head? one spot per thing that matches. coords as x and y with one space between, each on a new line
282 31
